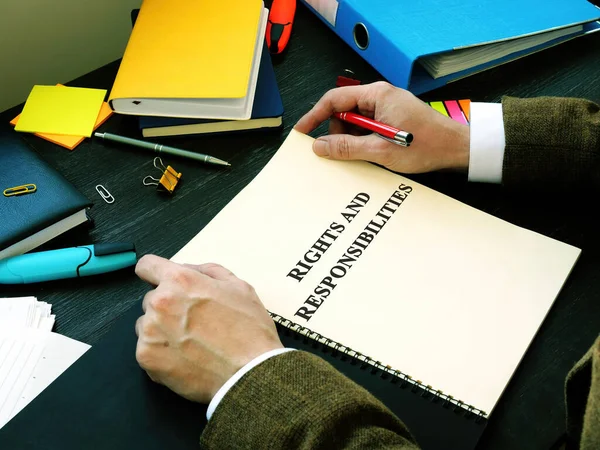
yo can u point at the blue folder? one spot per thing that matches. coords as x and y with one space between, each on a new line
393 35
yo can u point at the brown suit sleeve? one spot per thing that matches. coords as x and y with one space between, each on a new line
298 401
582 393
551 143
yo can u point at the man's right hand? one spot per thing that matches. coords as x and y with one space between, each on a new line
201 324
439 142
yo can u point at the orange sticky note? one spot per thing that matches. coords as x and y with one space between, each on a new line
67 141
465 105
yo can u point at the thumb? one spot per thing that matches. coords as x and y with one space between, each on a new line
347 147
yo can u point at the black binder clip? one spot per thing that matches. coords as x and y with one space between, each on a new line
168 180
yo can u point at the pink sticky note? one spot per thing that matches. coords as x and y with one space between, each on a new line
455 112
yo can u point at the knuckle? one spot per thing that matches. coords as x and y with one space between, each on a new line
386 159
383 146
138 325
246 287
180 276
147 329
214 268
333 97
143 356
342 147
146 299
385 155
385 90
153 376
383 86
160 302
325 100
331 93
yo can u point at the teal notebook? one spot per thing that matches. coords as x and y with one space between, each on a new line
30 220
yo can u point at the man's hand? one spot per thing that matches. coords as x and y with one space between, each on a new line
439 142
200 325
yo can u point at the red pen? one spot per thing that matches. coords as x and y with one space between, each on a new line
387 132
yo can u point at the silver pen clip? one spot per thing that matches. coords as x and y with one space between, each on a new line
402 143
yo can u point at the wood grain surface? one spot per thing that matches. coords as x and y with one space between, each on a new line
530 414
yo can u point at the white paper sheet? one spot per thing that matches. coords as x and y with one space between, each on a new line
31 356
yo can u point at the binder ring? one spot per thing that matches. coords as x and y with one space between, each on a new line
425 391
361 36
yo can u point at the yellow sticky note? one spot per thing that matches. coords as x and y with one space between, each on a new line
439 107
61 110
69 141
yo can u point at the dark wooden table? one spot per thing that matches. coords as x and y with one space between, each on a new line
531 413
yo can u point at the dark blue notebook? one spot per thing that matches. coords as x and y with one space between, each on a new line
28 221
267 111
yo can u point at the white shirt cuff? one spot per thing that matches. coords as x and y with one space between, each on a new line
239 374
487 142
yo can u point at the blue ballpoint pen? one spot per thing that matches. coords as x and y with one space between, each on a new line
66 263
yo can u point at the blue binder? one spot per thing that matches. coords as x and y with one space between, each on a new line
392 35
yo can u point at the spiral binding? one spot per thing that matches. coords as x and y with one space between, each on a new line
417 386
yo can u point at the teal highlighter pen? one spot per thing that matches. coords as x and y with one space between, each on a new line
67 263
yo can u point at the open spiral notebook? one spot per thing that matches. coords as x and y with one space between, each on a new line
442 296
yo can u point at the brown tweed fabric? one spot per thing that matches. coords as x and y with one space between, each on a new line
298 401
551 143
582 392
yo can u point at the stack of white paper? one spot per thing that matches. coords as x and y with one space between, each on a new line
25 312
31 356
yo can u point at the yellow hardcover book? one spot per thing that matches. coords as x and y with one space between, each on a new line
192 58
